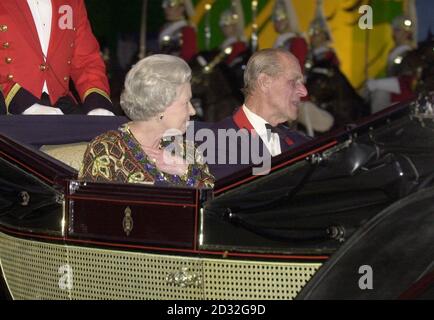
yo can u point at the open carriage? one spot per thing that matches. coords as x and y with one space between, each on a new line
360 198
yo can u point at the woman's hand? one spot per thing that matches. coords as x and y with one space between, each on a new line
167 162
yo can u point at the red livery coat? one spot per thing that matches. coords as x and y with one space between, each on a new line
189 47
406 87
298 47
238 48
295 44
179 39
73 52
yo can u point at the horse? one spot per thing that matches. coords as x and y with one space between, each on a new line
420 63
216 85
330 90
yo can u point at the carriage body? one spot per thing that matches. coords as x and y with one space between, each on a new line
251 237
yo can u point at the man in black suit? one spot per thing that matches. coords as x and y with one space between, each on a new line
274 87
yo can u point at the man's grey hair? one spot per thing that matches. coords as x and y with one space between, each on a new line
267 61
151 85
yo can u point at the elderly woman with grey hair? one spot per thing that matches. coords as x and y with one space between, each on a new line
157 99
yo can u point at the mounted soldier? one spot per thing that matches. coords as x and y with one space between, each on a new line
178 36
232 25
218 73
398 85
286 25
320 38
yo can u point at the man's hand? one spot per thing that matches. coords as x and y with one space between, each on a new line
39 109
100 112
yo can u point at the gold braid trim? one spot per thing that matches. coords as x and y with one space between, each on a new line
96 90
12 93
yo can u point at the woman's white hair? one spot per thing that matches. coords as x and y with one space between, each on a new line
151 85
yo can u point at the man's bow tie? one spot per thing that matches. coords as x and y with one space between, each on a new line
271 129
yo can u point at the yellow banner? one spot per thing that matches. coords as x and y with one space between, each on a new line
362 53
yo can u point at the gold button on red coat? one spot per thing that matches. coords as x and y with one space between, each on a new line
8 60
65 79
3 28
5 45
10 76
43 67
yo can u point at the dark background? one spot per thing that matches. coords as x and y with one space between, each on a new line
113 20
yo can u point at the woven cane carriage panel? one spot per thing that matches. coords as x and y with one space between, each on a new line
226 279
31 269
104 274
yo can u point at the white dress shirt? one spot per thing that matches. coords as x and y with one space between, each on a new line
42 15
272 142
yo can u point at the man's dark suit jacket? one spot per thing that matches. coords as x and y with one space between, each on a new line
247 140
